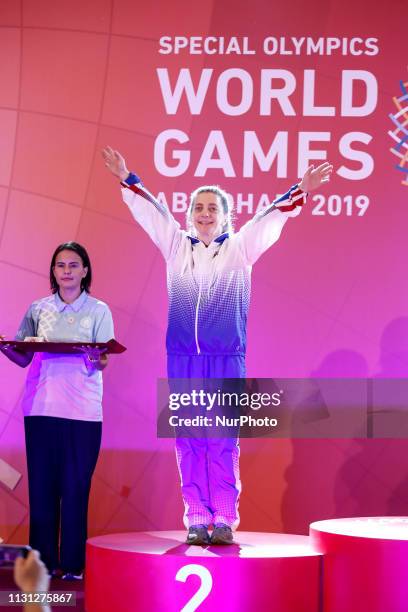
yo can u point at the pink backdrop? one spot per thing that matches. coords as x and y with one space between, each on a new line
329 299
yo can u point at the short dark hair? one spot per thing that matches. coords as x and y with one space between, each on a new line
86 262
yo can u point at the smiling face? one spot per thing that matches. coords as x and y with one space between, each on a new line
69 271
208 216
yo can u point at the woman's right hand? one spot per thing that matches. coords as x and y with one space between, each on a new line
115 163
2 338
9 346
20 358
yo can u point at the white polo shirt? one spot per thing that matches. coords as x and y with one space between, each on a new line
60 385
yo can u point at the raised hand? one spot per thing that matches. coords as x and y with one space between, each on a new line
115 162
314 177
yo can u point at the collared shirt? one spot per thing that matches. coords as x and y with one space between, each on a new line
60 385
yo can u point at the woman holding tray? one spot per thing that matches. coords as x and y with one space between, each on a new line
63 410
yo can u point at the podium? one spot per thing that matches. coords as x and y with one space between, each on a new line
365 563
158 572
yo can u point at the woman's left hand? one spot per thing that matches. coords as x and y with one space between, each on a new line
314 177
94 357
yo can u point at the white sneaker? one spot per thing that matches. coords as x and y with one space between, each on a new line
69 576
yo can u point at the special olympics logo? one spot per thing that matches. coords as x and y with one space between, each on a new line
400 134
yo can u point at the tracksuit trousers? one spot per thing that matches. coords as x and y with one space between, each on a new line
208 466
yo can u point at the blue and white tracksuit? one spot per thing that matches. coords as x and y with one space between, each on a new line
209 293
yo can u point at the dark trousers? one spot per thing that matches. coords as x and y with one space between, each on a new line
61 458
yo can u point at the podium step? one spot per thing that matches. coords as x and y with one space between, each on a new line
158 572
365 563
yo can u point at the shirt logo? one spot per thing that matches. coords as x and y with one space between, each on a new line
86 322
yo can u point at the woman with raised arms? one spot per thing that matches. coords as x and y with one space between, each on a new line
209 280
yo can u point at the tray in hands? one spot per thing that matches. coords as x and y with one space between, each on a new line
41 346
